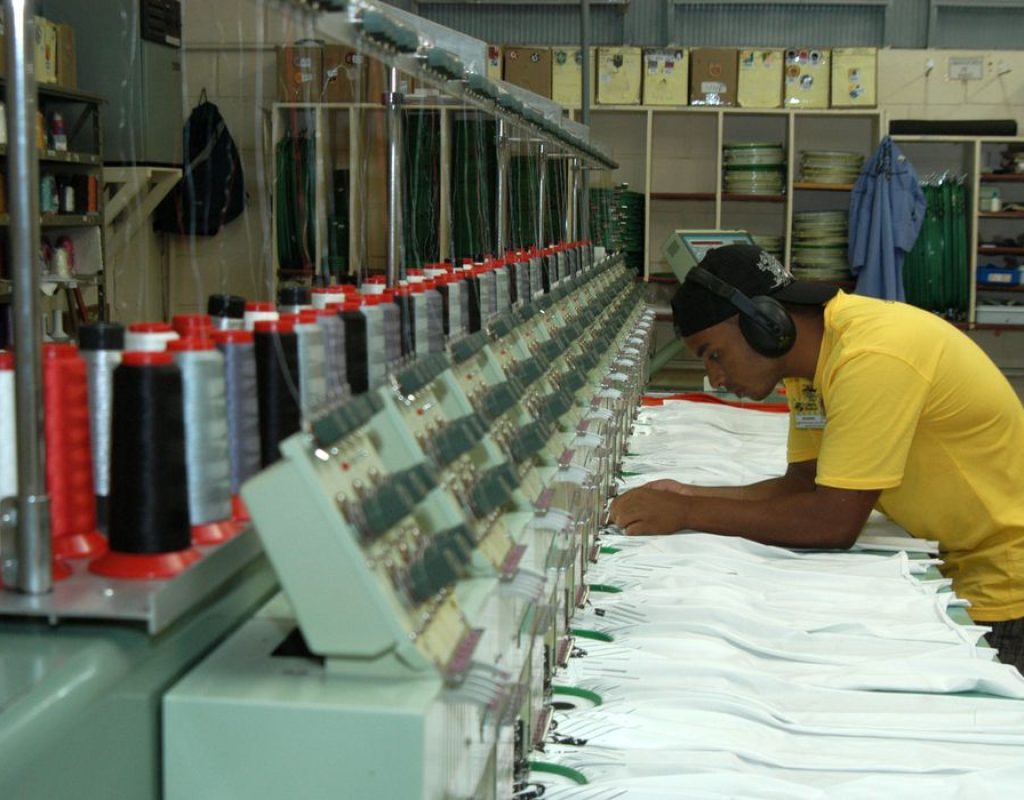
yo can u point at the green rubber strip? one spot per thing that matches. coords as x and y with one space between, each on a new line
586 633
607 549
576 691
607 588
558 769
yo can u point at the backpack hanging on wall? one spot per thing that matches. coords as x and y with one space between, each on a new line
211 191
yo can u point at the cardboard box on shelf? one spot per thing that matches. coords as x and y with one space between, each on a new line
300 73
494 62
807 78
529 67
619 75
666 76
854 76
760 79
567 76
713 72
67 61
45 50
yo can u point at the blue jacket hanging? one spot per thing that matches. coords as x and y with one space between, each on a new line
887 209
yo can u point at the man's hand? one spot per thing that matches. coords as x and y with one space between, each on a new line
647 510
668 485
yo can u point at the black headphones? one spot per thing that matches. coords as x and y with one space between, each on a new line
764 321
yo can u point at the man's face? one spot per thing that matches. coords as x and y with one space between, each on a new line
732 363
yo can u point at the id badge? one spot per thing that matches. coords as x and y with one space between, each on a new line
809 410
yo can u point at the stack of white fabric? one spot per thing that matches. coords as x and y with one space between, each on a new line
741 670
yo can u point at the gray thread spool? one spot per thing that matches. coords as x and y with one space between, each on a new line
392 332
243 412
435 321
523 280
463 287
504 292
376 349
312 368
207 459
100 344
334 354
422 314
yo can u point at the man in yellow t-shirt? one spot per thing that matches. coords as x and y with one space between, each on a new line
890 408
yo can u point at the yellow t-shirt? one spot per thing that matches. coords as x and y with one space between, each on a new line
913 407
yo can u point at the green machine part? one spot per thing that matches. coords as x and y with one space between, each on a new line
80 700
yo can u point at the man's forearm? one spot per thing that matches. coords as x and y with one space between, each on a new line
762 490
801 519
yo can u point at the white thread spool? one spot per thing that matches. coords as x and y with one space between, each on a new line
8 425
149 337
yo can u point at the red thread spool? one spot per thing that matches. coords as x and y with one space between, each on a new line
190 326
69 454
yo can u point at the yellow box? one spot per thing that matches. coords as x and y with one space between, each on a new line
45 51
760 79
567 76
494 65
666 76
854 76
807 78
619 75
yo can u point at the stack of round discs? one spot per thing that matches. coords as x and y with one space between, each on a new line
775 245
830 166
819 246
69 453
754 168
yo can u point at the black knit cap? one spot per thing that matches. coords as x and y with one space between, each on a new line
751 270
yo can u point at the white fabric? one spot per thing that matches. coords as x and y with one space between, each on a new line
743 670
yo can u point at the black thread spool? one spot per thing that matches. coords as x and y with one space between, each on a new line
356 361
441 281
293 299
473 284
277 381
149 534
227 311
407 318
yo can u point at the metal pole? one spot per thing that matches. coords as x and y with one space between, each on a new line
583 226
393 103
28 569
585 61
573 217
542 183
501 210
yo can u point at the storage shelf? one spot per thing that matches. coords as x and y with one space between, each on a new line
53 90
60 220
993 287
71 281
809 186
1001 214
992 326
62 157
738 197
1002 177
700 196
1001 251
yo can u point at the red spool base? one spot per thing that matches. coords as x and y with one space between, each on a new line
81 545
143 566
61 569
239 513
215 532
